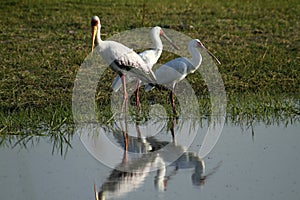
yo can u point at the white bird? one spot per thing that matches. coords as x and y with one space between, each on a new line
120 58
176 70
150 56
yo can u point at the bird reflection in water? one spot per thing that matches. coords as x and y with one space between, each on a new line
130 174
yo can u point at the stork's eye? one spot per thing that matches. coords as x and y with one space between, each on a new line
94 22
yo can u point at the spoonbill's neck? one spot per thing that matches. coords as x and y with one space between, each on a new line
158 46
196 56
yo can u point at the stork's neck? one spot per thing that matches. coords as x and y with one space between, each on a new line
98 37
196 56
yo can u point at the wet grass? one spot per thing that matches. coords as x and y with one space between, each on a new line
43 44
25 127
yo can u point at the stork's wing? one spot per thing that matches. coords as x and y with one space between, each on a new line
123 59
132 60
134 65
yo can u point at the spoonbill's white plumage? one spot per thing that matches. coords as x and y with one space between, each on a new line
177 69
120 58
150 56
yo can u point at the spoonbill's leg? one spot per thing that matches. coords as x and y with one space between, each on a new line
172 102
137 99
123 77
125 136
172 129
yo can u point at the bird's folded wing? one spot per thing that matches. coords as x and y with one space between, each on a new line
133 63
132 60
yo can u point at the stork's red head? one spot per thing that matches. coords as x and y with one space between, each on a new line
95 23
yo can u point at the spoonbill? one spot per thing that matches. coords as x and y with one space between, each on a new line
150 56
120 58
177 69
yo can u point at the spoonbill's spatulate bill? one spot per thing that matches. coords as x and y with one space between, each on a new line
177 69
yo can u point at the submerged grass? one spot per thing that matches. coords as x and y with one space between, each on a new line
25 127
43 44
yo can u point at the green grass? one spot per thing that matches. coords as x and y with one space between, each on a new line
43 44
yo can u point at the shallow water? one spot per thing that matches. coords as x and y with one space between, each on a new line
258 163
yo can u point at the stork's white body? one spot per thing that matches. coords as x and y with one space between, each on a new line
120 58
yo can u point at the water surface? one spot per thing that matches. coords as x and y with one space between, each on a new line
258 163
